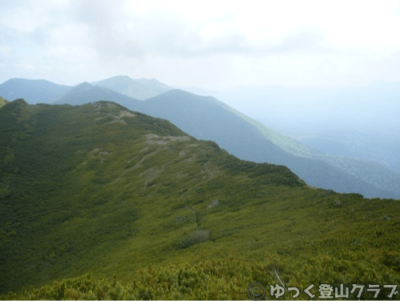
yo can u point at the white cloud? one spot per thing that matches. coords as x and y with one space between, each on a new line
209 43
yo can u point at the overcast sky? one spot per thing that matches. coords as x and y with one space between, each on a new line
210 44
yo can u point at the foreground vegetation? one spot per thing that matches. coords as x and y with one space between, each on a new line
230 278
98 188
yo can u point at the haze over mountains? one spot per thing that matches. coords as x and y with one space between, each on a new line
42 91
359 122
209 119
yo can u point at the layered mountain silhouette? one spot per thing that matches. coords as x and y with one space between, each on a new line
33 91
210 119
85 92
359 122
42 91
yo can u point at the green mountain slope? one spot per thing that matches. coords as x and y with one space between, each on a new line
139 89
3 101
103 189
33 91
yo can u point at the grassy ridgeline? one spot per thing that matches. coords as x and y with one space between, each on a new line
98 188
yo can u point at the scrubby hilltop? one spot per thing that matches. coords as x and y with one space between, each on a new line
103 189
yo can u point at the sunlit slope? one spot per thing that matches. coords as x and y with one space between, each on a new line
3 101
100 188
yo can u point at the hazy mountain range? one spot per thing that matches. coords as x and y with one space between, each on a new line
210 119
42 91
359 122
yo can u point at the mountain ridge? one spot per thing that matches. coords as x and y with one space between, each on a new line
339 174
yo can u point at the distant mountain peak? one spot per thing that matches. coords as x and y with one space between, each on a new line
136 88
121 76
148 80
82 86
87 84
